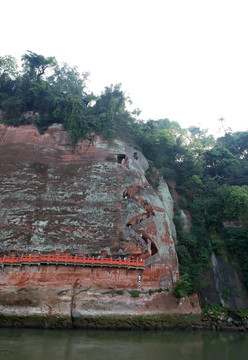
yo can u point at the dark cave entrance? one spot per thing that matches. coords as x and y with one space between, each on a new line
154 248
151 245
121 158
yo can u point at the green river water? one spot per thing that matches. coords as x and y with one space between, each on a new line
38 344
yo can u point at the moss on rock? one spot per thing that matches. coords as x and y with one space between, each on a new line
35 321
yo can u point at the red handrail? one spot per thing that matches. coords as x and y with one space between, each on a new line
67 258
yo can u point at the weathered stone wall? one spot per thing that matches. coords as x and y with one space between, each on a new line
94 199
76 291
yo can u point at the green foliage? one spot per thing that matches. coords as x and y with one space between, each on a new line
153 175
245 270
215 311
119 292
8 67
183 287
194 257
184 258
235 201
237 241
161 142
194 186
225 291
217 245
70 111
154 291
58 94
109 110
243 313
134 293
36 65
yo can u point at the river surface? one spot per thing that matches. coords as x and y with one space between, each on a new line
100 344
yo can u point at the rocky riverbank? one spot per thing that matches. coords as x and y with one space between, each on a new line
205 321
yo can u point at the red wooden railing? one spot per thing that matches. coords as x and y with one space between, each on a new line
70 259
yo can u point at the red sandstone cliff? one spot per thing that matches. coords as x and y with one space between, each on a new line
93 199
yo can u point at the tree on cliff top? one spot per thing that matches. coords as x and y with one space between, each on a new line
58 94
35 65
8 66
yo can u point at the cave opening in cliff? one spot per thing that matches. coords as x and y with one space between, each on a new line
154 248
121 158
125 195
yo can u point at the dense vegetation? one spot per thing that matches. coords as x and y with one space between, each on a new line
43 92
211 175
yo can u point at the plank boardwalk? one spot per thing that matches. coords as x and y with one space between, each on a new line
67 259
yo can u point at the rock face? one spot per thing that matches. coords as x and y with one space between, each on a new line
93 199
225 284
224 281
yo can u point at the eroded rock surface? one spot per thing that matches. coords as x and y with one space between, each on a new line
93 199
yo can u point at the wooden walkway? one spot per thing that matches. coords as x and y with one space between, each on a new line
67 259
